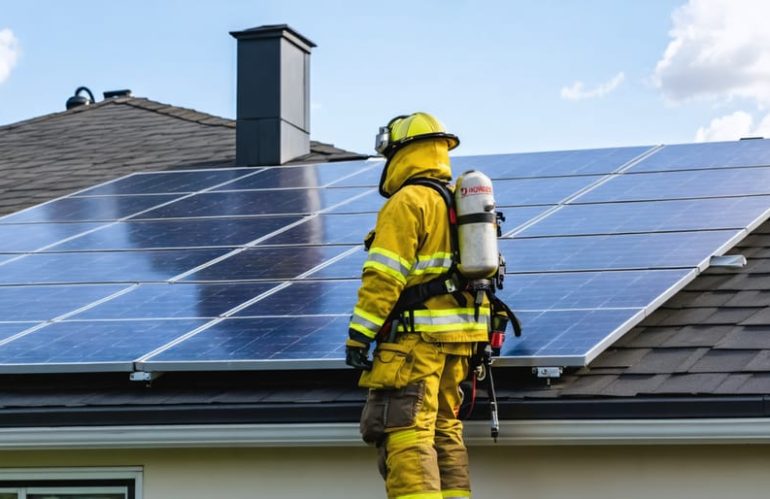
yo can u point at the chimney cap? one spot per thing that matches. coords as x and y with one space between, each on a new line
275 31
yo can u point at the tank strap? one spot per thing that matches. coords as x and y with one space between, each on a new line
443 190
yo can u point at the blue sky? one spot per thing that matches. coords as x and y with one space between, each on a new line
505 76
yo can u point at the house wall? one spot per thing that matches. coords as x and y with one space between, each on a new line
596 472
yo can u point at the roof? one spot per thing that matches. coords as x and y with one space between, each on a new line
704 353
52 155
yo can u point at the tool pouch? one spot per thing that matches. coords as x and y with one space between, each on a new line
390 409
392 365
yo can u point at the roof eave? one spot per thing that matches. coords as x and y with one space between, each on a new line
512 433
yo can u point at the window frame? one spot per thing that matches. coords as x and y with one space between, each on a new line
42 480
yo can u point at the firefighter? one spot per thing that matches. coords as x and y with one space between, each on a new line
422 354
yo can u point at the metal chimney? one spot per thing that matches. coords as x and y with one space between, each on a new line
273 109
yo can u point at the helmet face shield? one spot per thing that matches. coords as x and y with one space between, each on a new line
382 140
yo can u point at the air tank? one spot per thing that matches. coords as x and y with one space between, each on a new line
476 225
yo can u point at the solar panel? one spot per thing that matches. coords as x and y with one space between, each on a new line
266 202
682 185
167 182
23 238
45 303
549 164
623 252
89 346
102 266
181 233
710 155
258 268
655 216
88 209
198 300
317 175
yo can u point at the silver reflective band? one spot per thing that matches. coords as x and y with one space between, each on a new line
388 262
439 264
371 326
446 320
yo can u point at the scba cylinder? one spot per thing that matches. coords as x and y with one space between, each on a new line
476 225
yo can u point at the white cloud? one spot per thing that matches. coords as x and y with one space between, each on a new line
718 49
730 127
578 92
9 53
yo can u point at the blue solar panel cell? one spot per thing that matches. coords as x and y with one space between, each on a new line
307 298
43 303
243 203
262 340
103 267
149 301
652 216
710 155
348 267
626 252
30 237
89 346
166 182
589 290
317 175
280 262
368 177
328 229
9 329
180 233
682 185
564 337
538 191
108 208
548 164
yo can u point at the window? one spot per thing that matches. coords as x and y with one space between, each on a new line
71 483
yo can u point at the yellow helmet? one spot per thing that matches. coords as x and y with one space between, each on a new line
404 129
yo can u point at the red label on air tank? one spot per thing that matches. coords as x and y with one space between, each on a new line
475 190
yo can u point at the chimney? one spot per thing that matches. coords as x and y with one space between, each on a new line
273 109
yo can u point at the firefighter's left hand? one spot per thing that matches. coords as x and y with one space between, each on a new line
357 355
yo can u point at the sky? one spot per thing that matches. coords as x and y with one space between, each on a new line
505 76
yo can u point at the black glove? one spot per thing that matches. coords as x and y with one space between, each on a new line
357 351
358 357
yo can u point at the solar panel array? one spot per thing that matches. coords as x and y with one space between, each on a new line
258 268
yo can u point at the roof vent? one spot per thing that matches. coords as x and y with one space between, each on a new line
78 100
752 138
109 94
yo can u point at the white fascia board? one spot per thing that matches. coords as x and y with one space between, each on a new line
512 433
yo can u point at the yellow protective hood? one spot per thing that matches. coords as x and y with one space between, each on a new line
424 158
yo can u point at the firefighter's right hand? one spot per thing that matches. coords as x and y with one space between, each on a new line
357 355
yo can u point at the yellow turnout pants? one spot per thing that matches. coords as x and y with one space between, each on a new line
411 416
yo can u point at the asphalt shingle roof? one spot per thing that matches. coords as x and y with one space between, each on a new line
54 155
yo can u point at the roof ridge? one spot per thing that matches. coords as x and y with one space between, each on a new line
182 113
186 114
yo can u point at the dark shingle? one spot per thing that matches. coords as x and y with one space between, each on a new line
670 360
724 361
746 338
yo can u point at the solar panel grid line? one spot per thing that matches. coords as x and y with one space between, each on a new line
622 168
237 251
44 203
230 313
222 316
177 341
621 330
71 238
346 177
65 315
259 297
611 338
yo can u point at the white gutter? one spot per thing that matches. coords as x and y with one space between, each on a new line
512 433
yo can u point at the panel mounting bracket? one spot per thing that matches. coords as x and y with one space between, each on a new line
144 376
728 261
548 373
